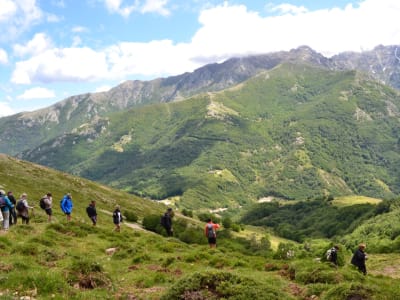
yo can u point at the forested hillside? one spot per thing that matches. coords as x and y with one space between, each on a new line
295 132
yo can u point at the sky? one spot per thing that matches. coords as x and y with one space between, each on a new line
54 49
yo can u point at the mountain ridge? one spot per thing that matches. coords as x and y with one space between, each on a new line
74 111
296 132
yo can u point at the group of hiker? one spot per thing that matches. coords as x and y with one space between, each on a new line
11 209
358 259
210 230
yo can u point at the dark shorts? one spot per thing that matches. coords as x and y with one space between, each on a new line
68 213
48 211
212 240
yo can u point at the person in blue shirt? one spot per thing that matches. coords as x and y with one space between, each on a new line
5 210
67 205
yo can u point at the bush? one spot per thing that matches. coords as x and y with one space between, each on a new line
222 285
152 223
350 291
187 213
130 216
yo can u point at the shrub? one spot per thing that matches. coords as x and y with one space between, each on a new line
222 285
187 213
130 216
349 291
152 223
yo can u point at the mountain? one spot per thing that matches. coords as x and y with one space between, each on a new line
295 132
26 131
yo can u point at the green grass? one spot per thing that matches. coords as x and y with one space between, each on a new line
68 260
353 200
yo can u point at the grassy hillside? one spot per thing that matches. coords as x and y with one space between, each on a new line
74 260
295 132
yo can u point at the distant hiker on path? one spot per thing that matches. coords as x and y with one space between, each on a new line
5 206
359 258
91 212
332 255
66 206
117 218
210 232
166 221
13 213
23 208
48 203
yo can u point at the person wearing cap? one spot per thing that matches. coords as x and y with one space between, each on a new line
23 212
359 258
67 205
13 213
117 218
5 210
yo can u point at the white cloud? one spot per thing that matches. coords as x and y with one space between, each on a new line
40 43
79 29
149 6
286 8
67 64
3 56
5 109
115 6
104 88
156 6
37 93
8 10
18 16
220 36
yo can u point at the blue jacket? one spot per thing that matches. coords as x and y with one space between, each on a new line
8 206
66 204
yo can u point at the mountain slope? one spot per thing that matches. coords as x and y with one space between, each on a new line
297 131
29 130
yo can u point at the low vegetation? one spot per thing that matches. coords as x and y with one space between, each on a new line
75 260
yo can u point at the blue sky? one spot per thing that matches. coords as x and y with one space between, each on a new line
53 49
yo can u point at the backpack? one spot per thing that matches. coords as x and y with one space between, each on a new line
42 204
210 231
20 205
2 202
329 253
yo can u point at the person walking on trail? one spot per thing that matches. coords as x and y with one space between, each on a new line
359 258
13 213
67 205
332 255
117 218
23 208
91 212
48 203
5 206
166 221
210 231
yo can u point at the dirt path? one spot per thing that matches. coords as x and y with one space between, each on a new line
131 225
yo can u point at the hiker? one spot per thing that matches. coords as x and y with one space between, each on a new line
91 212
66 205
13 213
6 206
210 232
48 202
359 258
23 208
166 221
332 255
117 218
